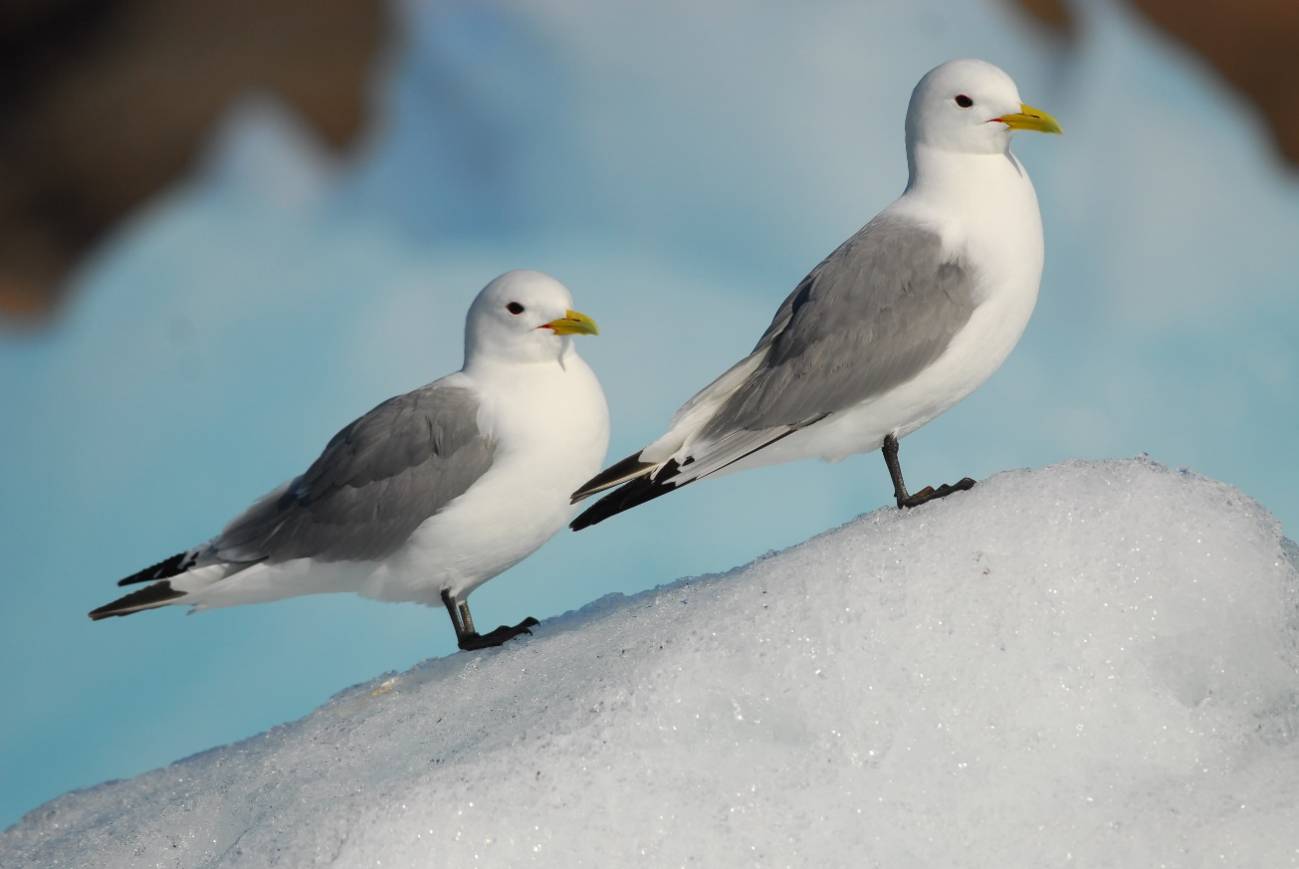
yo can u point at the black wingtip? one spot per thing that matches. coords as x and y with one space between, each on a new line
628 469
165 569
141 599
629 495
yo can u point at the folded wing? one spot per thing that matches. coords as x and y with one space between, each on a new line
376 482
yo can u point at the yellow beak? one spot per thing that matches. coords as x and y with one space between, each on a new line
1029 118
573 323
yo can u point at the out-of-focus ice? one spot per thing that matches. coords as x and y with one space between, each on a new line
263 150
1094 662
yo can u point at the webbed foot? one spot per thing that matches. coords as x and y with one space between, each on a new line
472 641
929 493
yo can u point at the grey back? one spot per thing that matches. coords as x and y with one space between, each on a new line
376 481
875 312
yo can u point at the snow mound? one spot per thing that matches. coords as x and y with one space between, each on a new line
1096 662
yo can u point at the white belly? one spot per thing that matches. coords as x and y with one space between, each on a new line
483 533
550 441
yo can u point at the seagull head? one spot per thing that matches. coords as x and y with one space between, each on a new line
970 106
523 316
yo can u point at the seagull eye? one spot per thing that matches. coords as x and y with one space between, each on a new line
963 101
514 308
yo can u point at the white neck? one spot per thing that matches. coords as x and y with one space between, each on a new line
480 364
938 173
539 357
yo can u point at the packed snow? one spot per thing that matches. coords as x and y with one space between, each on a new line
1093 662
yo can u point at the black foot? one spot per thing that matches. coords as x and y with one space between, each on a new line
470 642
929 493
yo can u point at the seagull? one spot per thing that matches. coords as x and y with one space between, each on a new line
903 320
430 494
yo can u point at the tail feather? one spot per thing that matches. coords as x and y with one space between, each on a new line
654 481
631 494
628 469
164 569
149 597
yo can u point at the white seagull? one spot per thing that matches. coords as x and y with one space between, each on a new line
902 321
430 494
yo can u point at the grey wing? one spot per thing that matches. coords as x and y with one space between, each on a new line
375 482
885 304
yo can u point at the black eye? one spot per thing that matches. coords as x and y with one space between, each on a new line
514 308
963 101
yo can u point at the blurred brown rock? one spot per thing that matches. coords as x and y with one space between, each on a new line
105 102
1055 14
1253 44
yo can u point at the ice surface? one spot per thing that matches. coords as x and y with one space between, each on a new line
1093 662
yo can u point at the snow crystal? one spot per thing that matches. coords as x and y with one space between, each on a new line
1096 662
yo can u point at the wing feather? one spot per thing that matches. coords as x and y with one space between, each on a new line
376 481
874 314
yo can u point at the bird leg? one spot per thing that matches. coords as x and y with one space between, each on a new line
928 493
890 451
469 639
454 613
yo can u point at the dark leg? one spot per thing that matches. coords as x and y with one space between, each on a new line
928 493
469 639
454 613
890 450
